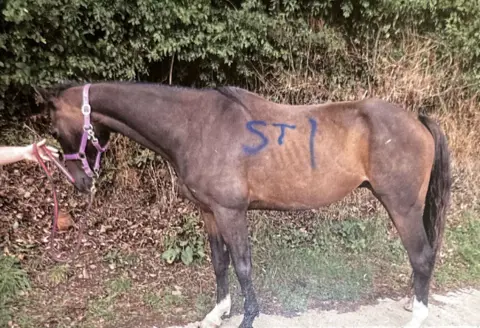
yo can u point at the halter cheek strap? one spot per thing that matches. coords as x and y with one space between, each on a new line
88 134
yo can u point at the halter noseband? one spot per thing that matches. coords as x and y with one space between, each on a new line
88 134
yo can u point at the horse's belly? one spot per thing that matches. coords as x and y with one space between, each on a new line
306 169
293 187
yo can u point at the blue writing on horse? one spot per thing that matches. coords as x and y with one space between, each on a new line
313 131
264 142
283 126
252 150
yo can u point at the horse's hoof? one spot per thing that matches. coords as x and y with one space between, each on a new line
408 306
209 324
214 318
245 324
242 325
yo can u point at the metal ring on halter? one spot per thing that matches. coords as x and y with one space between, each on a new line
86 109
93 189
82 155
88 127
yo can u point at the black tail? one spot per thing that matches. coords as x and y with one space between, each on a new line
438 194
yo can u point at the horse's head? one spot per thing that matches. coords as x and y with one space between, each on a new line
81 135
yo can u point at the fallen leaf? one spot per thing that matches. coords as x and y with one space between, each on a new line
64 221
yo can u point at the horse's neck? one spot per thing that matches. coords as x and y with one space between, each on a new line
155 120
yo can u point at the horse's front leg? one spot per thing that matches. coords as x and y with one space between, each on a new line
221 261
232 225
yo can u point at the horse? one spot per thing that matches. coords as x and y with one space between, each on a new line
234 151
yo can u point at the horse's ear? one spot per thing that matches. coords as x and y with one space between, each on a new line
43 99
42 95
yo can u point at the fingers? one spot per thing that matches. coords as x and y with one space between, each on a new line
45 156
28 151
41 142
53 151
42 151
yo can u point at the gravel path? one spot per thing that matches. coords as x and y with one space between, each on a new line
461 308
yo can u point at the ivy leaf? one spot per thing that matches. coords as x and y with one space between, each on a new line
187 255
170 255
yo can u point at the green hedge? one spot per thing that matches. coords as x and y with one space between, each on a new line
218 41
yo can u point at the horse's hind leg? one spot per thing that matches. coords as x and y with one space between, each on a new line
221 261
408 219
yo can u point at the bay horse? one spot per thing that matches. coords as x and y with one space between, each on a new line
235 151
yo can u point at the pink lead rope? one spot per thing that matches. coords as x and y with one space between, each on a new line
55 201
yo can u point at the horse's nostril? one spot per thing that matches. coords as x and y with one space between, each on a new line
86 184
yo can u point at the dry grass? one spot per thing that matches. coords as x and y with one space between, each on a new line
134 162
419 79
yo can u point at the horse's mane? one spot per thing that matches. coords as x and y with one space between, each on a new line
57 89
232 94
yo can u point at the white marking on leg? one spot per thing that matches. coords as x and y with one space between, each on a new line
420 313
214 318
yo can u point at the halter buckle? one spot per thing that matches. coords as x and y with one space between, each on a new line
86 109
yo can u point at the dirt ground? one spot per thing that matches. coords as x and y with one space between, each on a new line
460 308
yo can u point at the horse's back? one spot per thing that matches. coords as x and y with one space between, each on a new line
279 156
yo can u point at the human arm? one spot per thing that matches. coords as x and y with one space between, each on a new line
12 154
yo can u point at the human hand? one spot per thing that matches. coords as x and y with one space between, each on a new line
30 155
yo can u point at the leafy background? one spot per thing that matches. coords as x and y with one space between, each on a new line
211 42
145 258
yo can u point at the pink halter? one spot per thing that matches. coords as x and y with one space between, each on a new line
88 134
